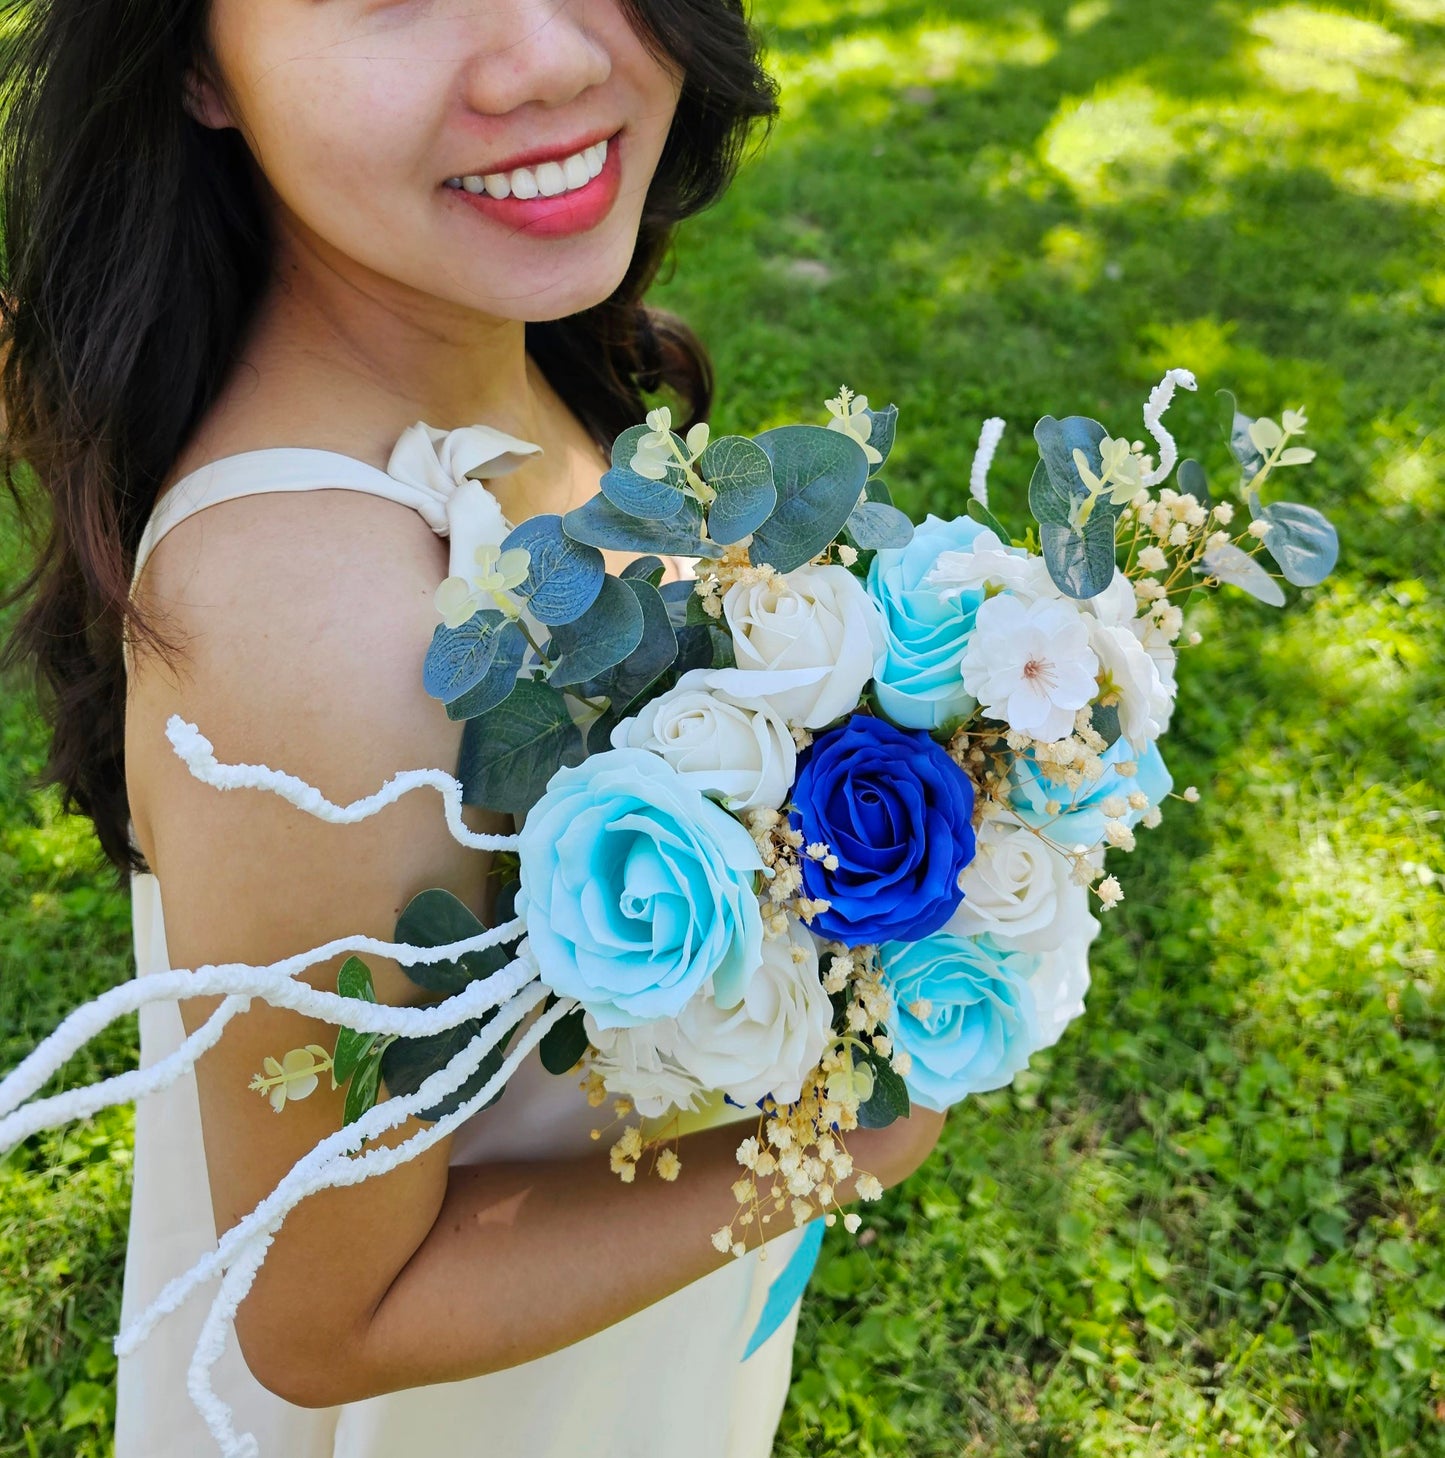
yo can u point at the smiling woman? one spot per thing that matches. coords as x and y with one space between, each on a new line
248 244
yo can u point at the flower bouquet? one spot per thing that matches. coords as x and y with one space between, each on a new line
819 831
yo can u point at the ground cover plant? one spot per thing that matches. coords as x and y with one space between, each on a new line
1212 1220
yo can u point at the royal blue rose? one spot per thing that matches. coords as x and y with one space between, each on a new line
896 813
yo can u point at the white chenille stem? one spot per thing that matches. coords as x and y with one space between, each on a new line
277 985
199 756
315 1168
1159 401
124 1088
988 439
238 1279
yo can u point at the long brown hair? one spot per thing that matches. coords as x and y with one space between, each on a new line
136 248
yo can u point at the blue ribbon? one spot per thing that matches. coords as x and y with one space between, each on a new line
787 1290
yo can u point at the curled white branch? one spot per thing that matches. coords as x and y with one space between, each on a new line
199 756
1160 398
988 439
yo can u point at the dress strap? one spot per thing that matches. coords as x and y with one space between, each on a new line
436 472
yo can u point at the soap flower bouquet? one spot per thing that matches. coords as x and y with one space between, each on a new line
822 829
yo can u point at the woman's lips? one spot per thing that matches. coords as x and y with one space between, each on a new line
560 216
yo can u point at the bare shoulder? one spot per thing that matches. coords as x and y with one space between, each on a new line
303 619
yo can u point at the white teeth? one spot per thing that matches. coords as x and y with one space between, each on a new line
549 179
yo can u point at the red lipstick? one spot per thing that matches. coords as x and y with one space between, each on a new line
553 217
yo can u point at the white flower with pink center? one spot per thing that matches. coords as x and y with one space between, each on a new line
1030 664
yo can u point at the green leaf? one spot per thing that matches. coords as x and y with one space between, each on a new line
510 753
564 576
877 490
365 1083
742 475
648 569
609 632
601 524
641 496
498 681
409 1062
353 980
459 658
883 434
1301 540
1057 486
655 653
889 1101
820 475
1193 482
1232 565
874 526
85 1404
1237 433
1080 563
436 918
564 1044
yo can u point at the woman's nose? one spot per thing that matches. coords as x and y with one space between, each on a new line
541 53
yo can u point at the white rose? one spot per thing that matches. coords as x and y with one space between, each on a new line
1062 977
1126 666
740 749
1012 887
1166 658
773 1038
989 562
807 646
635 1062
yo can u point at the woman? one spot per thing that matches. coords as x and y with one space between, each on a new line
252 243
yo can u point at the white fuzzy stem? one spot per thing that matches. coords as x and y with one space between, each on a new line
239 1278
199 756
988 439
1159 401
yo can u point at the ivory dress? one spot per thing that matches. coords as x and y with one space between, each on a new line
697 1375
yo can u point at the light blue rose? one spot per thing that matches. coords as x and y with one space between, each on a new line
917 677
963 1011
636 889
1080 820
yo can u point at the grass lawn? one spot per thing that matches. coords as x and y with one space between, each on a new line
1212 1220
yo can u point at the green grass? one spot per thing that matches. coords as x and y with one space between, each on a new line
1212 1221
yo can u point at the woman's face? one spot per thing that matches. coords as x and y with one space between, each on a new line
363 115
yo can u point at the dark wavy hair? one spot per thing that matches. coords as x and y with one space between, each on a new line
136 248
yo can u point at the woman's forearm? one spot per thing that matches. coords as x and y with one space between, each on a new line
524 1259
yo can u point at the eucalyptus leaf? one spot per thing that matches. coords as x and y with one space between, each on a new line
436 918
1193 482
624 447
1081 563
649 569
889 1101
877 490
610 631
1056 483
601 524
820 475
642 497
679 598
655 653
1241 445
409 1062
1232 565
564 577
1105 721
874 526
563 1044
1302 541
458 658
883 434
498 681
740 472
509 753
362 1089
353 980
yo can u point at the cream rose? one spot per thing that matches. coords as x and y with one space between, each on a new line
807 646
772 1039
740 749
1012 887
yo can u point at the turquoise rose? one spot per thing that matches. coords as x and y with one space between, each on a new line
637 889
963 1011
1081 817
917 677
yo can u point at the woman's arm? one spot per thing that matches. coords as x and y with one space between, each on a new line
428 1273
